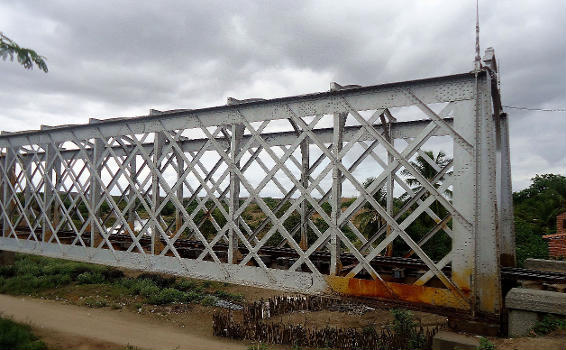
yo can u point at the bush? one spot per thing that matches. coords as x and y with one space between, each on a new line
548 324
229 296
485 344
158 280
166 296
90 278
186 285
405 326
17 336
209 300
95 302
194 296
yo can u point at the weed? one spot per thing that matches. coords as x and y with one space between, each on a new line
158 280
548 324
222 294
194 296
485 344
18 336
258 346
405 325
209 300
166 296
90 278
186 285
95 302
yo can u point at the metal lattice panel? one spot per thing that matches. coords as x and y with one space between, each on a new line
273 193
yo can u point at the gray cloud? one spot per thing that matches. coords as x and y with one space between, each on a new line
119 59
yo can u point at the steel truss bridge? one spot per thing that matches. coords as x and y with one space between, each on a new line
98 192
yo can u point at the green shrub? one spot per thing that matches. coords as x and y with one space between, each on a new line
90 278
95 302
166 296
158 280
194 296
209 300
186 285
135 286
485 344
17 336
404 325
149 290
222 294
548 324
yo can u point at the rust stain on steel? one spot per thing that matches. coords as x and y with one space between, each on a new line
403 292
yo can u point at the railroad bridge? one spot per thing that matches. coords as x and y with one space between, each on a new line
321 193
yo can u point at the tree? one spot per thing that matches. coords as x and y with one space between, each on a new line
542 201
26 57
426 169
369 219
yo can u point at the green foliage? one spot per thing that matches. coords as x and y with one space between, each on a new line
549 323
167 296
405 325
541 202
17 336
33 274
209 300
25 57
90 278
258 346
95 302
535 209
222 294
168 209
529 242
485 344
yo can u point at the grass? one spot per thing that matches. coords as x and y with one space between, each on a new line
100 286
18 336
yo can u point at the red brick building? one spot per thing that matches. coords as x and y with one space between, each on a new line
557 241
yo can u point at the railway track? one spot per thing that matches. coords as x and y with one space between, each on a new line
192 249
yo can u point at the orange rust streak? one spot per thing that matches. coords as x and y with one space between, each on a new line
404 292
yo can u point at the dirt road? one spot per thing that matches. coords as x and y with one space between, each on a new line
103 328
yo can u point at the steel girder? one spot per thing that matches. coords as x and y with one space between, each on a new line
68 191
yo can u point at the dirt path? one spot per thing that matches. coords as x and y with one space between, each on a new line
102 328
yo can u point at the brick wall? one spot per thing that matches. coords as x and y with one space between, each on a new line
557 242
561 223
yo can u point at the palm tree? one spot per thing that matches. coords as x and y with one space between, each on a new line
369 219
427 170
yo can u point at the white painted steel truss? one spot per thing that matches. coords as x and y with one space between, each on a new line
184 191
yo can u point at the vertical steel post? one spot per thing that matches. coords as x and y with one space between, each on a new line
49 191
158 143
337 139
464 188
132 195
9 168
180 194
487 287
95 190
237 133
28 189
390 182
505 194
305 170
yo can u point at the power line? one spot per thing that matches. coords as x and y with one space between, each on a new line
537 109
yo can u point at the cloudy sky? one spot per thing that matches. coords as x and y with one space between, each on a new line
120 58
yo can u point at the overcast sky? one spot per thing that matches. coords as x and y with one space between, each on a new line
120 58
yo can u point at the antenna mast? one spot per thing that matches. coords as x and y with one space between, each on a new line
477 60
